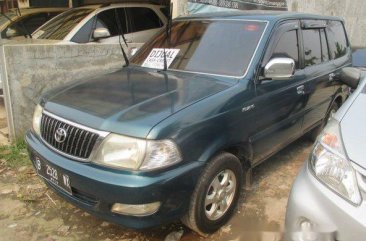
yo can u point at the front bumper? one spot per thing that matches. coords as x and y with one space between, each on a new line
95 189
323 214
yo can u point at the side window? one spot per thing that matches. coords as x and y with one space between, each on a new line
85 32
324 44
35 21
107 19
28 24
337 39
288 47
312 47
123 20
143 19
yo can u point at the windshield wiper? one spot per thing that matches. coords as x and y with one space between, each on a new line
121 34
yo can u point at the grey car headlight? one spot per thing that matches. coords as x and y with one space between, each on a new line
129 153
331 166
37 117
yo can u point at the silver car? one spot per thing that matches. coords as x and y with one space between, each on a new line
327 201
104 23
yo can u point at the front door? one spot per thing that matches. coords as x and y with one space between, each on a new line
280 104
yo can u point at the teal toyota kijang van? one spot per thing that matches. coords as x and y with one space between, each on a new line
176 133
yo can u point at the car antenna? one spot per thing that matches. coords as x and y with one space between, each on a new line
121 34
168 29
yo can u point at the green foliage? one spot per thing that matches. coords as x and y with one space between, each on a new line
14 155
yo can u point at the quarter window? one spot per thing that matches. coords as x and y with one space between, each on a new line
287 47
312 47
337 39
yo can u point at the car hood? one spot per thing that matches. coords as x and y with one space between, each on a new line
130 101
353 128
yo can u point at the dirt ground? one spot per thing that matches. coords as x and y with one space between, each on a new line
30 211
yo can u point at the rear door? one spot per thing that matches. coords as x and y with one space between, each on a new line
280 104
321 69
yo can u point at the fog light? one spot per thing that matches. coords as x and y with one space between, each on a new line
136 210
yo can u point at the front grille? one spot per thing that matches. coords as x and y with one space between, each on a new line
78 143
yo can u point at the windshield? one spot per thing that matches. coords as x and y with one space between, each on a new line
214 47
58 27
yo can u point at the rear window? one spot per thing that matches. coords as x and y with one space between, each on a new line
215 47
338 43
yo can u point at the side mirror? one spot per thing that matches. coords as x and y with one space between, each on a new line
100 33
350 76
279 69
10 32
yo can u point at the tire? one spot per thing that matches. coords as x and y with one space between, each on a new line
212 187
313 134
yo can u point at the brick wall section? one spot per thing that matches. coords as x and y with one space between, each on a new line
33 69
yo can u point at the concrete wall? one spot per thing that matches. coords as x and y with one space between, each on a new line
353 11
28 70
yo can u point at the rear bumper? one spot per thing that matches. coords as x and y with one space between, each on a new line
330 216
95 189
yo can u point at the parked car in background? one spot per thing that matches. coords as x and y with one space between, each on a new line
359 57
25 21
327 200
21 23
175 134
103 23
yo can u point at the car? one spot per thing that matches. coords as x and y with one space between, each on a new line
176 133
359 58
21 23
98 23
327 200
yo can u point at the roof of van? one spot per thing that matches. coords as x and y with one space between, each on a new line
259 15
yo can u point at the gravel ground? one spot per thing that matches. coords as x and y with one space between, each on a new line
30 211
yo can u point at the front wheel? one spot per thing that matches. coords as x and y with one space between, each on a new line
216 194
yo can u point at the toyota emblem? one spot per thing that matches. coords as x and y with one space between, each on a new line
60 135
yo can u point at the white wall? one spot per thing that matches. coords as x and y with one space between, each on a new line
353 11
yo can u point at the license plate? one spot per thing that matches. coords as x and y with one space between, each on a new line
52 174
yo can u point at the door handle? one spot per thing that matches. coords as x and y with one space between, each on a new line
300 90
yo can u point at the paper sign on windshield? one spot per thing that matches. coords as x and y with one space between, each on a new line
155 59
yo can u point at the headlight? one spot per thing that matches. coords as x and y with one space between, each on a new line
123 152
37 116
331 166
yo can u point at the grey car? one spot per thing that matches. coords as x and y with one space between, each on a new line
327 201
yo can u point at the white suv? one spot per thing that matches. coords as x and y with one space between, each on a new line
103 23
